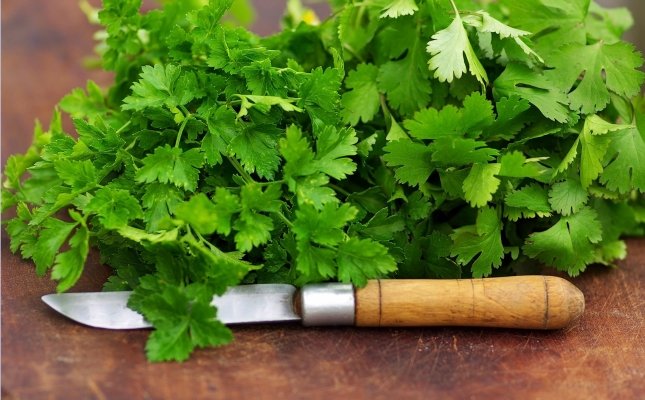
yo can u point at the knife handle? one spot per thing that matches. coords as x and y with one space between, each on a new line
532 302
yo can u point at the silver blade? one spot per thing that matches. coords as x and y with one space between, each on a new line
239 305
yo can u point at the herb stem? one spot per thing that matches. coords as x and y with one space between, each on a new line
238 167
181 129
339 190
284 219
122 128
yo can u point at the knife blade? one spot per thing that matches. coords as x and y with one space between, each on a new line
532 302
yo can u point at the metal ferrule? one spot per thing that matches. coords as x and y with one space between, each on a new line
326 304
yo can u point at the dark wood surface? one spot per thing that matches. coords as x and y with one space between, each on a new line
45 356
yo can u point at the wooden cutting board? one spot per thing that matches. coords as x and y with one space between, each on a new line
45 356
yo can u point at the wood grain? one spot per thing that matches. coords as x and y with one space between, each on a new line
529 302
45 356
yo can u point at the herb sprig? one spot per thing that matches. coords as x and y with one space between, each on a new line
409 139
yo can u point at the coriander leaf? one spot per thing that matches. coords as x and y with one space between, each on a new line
114 207
89 103
79 175
158 202
482 240
515 165
568 245
405 82
315 263
264 103
313 190
182 322
594 144
297 153
485 23
320 95
323 226
171 164
451 121
398 8
363 259
256 146
604 68
539 15
529 201
448 48
226 204
51 237
333 146
457 152
68 266
361 101
481 183
567 197
626 168
412 161
519 80
199 212
253 228
221 131
159 86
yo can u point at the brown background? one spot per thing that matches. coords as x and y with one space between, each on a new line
45 356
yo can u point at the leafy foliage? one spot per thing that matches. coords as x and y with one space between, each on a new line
397 138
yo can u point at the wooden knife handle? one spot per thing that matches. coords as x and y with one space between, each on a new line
532 302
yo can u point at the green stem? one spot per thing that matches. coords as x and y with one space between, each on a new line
284 219
123 127
238 167
339 190
181 129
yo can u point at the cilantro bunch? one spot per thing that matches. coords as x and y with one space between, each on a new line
398 138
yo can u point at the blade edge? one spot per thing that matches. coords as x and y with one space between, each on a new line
243 304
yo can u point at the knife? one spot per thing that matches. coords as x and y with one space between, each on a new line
532 302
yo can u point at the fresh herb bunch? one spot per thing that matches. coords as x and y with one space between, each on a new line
400 138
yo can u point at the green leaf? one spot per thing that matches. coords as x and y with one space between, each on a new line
68 266
182 321
162 86
257 147
405 82
604 68
158 202
51 237
398 8
412 161
451 121
363 259
333 146
115 208
361 101
79 175
89 103
568 245
533 198
483 241
519 80
481 183
448 48
199 212
458 152
515 165
626 170
323 226
264 103
171 164
567 197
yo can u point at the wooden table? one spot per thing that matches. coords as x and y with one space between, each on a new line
45 356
